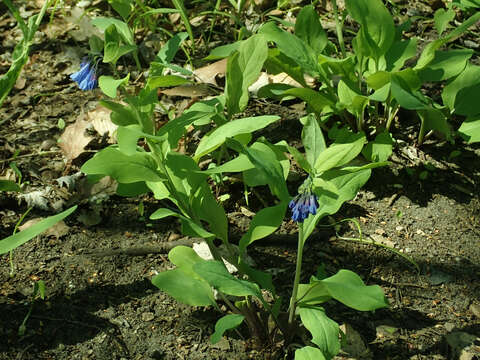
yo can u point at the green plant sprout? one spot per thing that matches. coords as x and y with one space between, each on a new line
366 89
21 51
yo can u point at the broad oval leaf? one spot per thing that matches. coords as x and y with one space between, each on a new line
339 154
377 23
217 137
348 288
461 95
121 167
470 129
184 288
309 353
227 322
264 223
325 332
217 275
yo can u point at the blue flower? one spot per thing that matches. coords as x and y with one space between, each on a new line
86 77
304 204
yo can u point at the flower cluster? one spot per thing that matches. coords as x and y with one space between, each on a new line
86 77
304 204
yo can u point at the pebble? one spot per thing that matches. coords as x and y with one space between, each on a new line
449 326
148 316
475 309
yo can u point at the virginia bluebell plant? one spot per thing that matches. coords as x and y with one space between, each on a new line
86 77
305 203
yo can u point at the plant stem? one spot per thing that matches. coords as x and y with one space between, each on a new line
298 270
393 113
339 29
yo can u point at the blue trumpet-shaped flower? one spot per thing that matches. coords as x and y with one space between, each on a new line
86 77
304 204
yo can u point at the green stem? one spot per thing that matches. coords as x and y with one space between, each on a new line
421 133
339 28
298 270
393 113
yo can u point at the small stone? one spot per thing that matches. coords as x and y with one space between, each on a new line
148 316
385 331
354 344
475 309
399 228
223 345
449 326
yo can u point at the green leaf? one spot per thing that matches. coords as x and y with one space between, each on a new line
340 153
434 119
461 95
264 223
406 97
109 84
377 27
428 53
470 129
445 65
441 18
277 62
350 97
347 185
132 189
154 82
312 294
291 46
22 48
348 288
379 79
227 322
265 160
184 288
325 332
171 47
309 29
309 353
121 167
8 185
179 5
312 139
318 101
217 275
13 241
243 68
223 51
123 30
379 149
184 257
217 137
262 172
162 213
400 52
300 159
123 7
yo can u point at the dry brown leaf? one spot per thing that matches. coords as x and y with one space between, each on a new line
208 74
194 90
58 230
100 119
284 78
104 187
197 20
74 139
262 80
